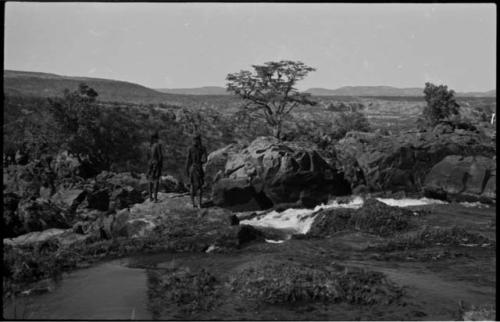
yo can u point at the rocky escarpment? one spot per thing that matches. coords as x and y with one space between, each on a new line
269 172
373 162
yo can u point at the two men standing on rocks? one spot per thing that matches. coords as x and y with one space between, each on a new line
196 157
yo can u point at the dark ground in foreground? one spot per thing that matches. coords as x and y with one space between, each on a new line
417 284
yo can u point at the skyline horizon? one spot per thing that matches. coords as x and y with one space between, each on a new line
188 45
222 86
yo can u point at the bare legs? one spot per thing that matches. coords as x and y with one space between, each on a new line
153 188
193 195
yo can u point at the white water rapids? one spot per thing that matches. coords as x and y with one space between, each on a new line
299 221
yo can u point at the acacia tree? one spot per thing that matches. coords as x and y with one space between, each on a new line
269 91
441 103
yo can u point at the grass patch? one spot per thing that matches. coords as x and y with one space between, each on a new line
189 292
291 283
429 237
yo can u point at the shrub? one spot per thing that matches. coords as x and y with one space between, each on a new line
102 137
350 121
441 103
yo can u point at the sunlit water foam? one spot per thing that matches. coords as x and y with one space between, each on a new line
299 221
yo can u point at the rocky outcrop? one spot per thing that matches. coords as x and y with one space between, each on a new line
125 197
374 217
460 178
123 179
170 184
216 162
401 163
37 215
269 172
68 199
174 220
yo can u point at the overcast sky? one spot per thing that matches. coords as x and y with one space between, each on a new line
168 45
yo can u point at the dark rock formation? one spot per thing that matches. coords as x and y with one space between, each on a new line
393 163
460 178
268 172
125 197
37 215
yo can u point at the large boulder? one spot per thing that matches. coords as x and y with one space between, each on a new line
170 184
401 162
270 172
125 197
460 178
68 199
98 199
216 162
57 237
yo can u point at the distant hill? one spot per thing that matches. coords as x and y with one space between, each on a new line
48 85
385 91
206 90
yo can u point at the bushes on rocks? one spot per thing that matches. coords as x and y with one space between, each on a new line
374 217
330 221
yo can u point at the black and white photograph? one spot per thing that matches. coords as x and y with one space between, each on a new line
249 161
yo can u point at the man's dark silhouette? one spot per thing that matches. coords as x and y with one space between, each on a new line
196 156
155 167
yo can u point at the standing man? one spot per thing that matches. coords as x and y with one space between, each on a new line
155 166
196 157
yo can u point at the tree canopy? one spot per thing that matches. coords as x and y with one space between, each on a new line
269 91
441 103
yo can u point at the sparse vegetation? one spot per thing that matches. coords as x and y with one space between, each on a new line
428 237
291 282
188 291
350 121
